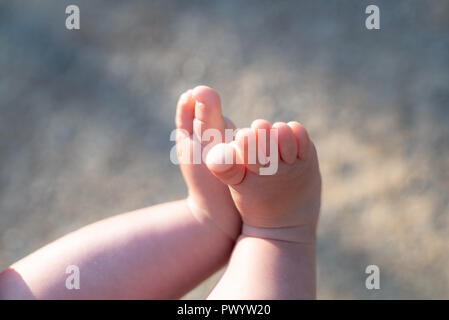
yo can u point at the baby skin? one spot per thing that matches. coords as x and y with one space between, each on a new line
266 224
274 257
209 199
287 205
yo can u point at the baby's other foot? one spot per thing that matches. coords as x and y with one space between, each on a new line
209 199
283 205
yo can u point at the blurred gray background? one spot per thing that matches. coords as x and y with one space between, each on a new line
85 118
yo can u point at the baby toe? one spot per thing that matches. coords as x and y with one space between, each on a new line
185 112
287 143
208 108
302 139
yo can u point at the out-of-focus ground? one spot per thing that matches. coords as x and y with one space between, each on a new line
85 118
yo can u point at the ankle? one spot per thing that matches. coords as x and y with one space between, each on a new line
297 234
227 223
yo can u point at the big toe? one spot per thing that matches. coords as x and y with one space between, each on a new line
222 162
208 114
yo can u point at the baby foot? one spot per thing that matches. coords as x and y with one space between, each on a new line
209 199
281 206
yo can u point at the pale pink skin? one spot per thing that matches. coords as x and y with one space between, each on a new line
288 198
210 197
160 252
275 256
